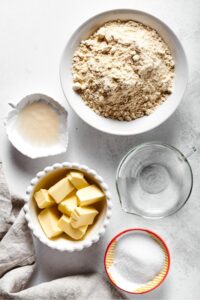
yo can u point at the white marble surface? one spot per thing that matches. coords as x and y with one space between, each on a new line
32 35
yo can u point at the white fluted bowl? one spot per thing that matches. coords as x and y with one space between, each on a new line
48 177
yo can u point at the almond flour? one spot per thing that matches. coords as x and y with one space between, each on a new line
123 71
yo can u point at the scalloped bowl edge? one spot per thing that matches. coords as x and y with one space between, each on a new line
105 222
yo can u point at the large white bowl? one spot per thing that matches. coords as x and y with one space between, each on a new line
140 125
45 179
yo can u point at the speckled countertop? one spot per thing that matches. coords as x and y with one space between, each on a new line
33 34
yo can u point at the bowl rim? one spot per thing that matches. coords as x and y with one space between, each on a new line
165 145
171 32
98 179
151 233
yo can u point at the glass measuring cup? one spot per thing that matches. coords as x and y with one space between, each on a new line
154 180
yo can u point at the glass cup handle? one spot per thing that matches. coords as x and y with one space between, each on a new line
191 152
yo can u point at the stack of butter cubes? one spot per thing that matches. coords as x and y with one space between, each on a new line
67 206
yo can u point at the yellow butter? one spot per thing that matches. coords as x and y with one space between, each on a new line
48 219
89 195
78 180
43 199
82 216
76 234
61 189
68 205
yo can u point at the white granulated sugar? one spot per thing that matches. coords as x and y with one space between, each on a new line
123 71
138 258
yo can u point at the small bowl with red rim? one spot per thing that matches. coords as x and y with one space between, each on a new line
137 261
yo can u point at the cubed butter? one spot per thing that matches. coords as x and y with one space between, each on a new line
89 195
48 219
76 234
82 216
61 189
43 199
78 180
68 205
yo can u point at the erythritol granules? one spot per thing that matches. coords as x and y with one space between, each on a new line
138 259
123 71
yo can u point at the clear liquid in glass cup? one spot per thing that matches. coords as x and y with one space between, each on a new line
154 180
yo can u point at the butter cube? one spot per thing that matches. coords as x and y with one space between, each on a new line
82 216
89 195
43 199
68 205
76 234
48 219
61 189
78 180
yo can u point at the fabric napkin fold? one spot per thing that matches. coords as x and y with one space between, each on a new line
17 261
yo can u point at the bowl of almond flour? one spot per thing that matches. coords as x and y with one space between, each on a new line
124 72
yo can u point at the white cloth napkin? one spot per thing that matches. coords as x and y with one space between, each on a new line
17 262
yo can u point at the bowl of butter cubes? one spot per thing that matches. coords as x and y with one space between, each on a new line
68 206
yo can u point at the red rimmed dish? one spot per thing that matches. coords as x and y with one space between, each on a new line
131 285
